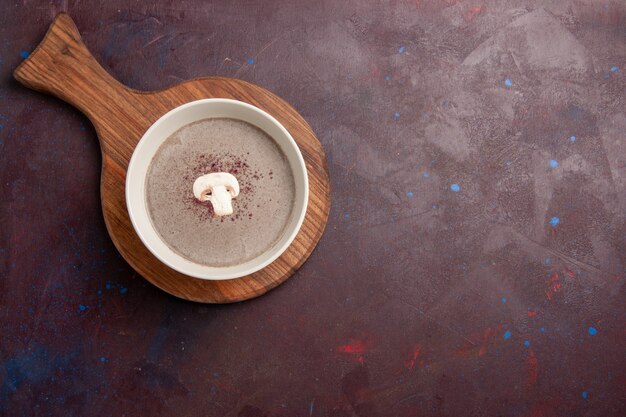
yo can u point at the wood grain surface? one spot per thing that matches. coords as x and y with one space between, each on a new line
62 66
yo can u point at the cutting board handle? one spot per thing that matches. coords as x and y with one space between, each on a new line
63 66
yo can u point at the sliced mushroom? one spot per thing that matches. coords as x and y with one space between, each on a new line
219 188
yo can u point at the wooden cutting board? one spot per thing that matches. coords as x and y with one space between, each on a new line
62 66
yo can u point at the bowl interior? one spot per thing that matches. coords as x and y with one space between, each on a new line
154 138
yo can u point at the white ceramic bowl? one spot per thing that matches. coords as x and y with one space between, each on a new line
159 132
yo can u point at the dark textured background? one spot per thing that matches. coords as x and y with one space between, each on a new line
505 298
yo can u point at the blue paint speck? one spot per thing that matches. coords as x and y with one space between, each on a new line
99 292
434 206
503 300
387 78
508 82
572 138
107 286
250 61
425 174
507 335
82 307
409 194
123 290
103 359
542 330
24 54
508 163
593 331
555 221
346 216
401 50
613 69
584 395
547 261
554 163
527 343
311 408
455 187
396 115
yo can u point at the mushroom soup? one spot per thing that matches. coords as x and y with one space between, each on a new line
220 192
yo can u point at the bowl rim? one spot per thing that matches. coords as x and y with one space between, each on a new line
183 265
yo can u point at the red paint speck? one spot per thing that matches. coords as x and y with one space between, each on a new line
552 290
553 286
532 313
416 352
355 346
478 343
553 278
473 12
